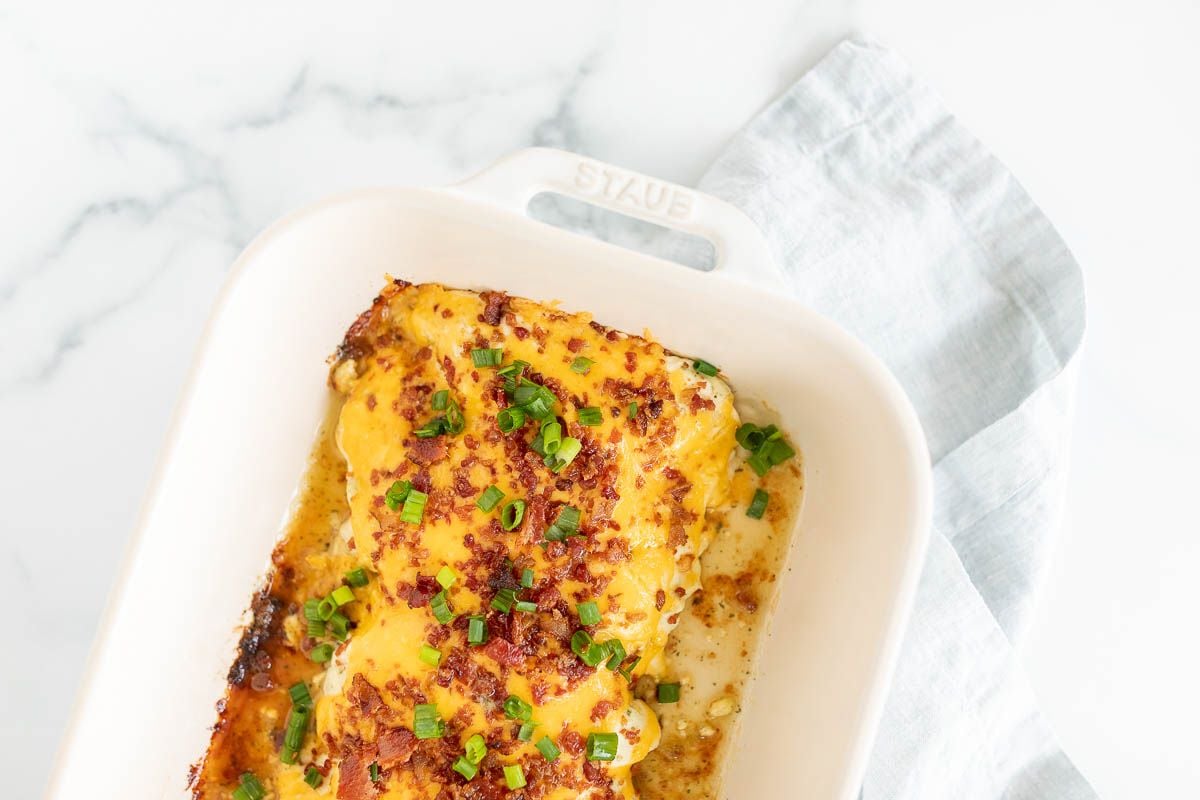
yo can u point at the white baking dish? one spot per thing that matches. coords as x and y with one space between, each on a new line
256 396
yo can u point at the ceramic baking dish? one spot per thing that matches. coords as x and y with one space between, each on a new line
255 398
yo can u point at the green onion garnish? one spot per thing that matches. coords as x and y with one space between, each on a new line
590 416
446 577
668 693
321 653
465 768
589 613
300 695
504 599
516 708
441 399
476 630
618 654
758 505
527 578
526 607
487 357
581 365
601 746
510 419
343 595
316 629
431 655
475 749
514 776
704 368
311 610
435 427
627 671
373 772
339 626
551 437
525 733
414 507
326 607
566 525
396 494
595 655
514 369
545 746
312 776
427 723
439 604
252 787
633 409
357 578
489 499
512 514
567 451
454 419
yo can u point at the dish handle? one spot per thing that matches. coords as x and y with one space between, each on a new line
514 180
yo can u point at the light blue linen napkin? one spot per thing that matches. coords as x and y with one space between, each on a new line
889 217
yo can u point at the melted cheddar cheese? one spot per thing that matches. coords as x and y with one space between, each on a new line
643 482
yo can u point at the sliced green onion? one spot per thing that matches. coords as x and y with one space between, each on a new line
427 723
545 746
343 595
252 786
504 599
590 416
321 653
300 695
551 438
750 436
589 613
525 733
357 578
536 445
514 369
240 794
512 514
601 746
516 708
595 655
316 629
487 357
396 494
414 507
633 409
431 655
441 398
454 419
527 578
704 368
297 726
489 499
526 607
465 768
581 365
312 776
373 772
326 607
311 610
514 776
475 749
476 630
617 649
759 462
510 419
580 642
339 626
435 427
627 671
758 505
780 452
567 524
668 693
567 451
446 577
439 604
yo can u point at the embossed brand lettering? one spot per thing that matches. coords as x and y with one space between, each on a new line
633 191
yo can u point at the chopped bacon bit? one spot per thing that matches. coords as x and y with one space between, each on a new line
429 451
571 742
396 746
422 482
655 408
575 344
602 710
418 596
521 333
660 599
354 781
424 354
493 308
505 652
697 402
595 773
447 313
364 696
371 402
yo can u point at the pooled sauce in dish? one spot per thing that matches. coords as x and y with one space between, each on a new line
491 584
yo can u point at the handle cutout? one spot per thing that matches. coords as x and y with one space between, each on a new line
631 233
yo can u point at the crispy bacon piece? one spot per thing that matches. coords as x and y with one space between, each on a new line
354 782
505 652
364 696
418 596
396 746
493 308
429 451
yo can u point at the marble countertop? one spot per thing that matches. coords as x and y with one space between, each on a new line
144 144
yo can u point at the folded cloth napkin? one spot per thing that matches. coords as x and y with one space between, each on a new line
889 217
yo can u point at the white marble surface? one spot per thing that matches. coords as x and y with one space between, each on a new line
143 144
